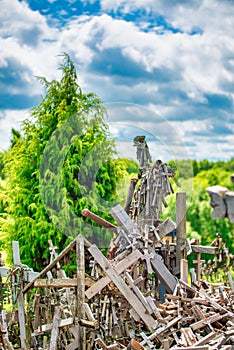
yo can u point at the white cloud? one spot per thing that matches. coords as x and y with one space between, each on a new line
199 58
10 119
197 65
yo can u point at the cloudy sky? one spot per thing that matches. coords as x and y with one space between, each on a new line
164 68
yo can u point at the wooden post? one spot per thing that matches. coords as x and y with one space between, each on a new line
55 329
180 227
20 299
80 290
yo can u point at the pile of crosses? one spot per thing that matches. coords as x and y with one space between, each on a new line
137 296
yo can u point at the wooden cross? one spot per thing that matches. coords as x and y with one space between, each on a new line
26 276
199 263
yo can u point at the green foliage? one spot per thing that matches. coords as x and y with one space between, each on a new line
188 168
130 166
200 225
61 162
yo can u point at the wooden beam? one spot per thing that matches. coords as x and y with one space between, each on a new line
55 328
207 321
203 249
180 226
20 299
59 283
164 275
80 290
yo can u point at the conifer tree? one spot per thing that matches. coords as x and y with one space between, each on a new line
61 162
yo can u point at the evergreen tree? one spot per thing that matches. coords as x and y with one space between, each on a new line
61 162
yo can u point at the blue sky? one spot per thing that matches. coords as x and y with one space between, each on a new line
167 67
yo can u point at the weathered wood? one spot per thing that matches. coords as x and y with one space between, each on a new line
166 227
138 293
59 283
208 320
4 333
53 264
88 312
189 335
131 189
48 327
180 226
205 339
164 275
120 267
88 324
55 327
122 218
80 290
20 298
184 270
88 214
122 286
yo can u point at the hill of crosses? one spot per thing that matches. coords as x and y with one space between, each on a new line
139 295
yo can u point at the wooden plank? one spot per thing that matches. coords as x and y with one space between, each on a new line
59 283
207 321
88 312
88 214
184 270
164 275
205 339
138 293
120 267
203 249
189 335
80 290
122 286
20 299
48 327
180 226
55 328
122 218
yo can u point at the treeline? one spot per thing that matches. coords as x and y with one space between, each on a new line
189 168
